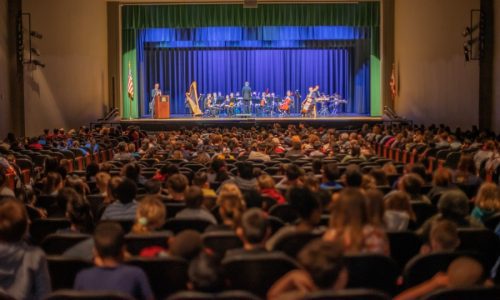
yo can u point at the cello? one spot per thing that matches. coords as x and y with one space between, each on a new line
308 104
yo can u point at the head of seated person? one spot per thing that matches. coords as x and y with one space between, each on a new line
109 244
453 205
176 186
122 189
307 205
102 180
52 183
465 272
293 174
131 171
245 171
78 184
77 210
254 229
231 205
204 274
150 215
331 172
412 184
353 177
186 244
443 237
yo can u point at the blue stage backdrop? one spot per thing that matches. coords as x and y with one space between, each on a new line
220 59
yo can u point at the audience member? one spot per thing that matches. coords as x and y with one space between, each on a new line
487 202
398 215
194 207
123 190
150 215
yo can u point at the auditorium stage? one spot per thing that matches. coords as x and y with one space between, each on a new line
344 121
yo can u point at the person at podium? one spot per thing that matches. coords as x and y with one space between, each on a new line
154 92
246 93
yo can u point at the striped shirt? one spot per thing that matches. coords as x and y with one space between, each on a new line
120 211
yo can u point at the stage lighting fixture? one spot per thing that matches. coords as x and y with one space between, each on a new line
36 34
35 51
38 63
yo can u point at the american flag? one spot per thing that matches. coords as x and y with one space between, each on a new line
130 87
393 83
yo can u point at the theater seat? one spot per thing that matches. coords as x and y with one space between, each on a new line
63 270
178 225
349 294
226 295
173 207
284 212
424 267
86 295
404 246
256 273
237 295
166 275
41 228
482 293
291 244
57 243
136 242
484 242
372 271
221 241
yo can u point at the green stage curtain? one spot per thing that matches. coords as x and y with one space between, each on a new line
136 17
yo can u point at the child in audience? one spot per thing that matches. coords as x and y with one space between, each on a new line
231 208
253 232
24 272
205 275
487 202
443 237
150 215
268 189
309 209
77 212
123 191
398 212
350 226
109 273
194 207
176 186
323 269
463 272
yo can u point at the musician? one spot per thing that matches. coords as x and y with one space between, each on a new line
287 103
309 104
246 92
154 92
229 106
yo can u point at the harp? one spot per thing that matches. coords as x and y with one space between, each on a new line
192 99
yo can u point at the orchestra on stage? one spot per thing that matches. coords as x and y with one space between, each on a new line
249 103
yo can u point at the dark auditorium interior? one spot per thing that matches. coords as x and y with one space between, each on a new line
250 149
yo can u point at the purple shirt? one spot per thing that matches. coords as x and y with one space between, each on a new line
130 280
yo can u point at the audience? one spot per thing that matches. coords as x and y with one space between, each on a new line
123 191
487 202
398 214
24 272
109 273
194 207
150 215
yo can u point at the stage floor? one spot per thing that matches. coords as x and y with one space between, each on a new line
177 121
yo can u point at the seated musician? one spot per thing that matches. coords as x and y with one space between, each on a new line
229 106
309 104
287 103
209 104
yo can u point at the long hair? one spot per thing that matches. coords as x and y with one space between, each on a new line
150 215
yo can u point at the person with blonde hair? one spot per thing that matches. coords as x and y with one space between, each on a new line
398 213
349 224
231 207
268 189
102 180
150 215
487 202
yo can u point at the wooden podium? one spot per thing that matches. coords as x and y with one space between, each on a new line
162 107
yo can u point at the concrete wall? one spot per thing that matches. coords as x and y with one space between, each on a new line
496 72
435 83
4 72
72 89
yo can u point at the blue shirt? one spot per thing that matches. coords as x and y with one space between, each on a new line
130 280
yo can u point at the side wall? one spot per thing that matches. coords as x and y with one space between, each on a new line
496 72
4 72
436 85
72 89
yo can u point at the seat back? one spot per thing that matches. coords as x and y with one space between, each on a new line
284 212
86 295
372 271
173 208
221 241
465 293
191 295
256 272
291 244
63 270
404 246
484 242
492 222
136 242
349 294
424 267
57 243
166 275
41 228
423 211
178 225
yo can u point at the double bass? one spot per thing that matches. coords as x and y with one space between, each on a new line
308 104
193 100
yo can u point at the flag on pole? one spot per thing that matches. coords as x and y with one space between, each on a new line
393 83
130 87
